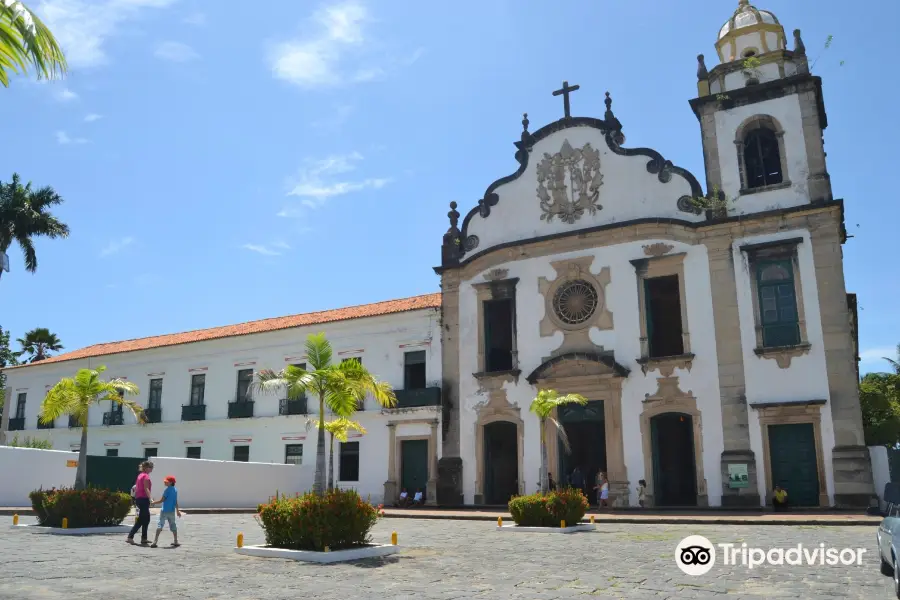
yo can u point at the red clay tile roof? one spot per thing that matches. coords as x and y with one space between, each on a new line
388 307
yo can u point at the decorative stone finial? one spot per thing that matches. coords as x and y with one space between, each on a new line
613 122
454 215
743 3
525 122
702 73
799 46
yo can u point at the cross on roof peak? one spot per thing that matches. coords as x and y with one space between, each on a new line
565 91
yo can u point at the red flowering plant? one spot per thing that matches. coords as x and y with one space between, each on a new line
550 509
90 507
339 519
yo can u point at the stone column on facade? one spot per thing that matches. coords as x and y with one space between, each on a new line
450 467
390 486
7 410
817 179
616 471
431 487
710 147
853 482
730 355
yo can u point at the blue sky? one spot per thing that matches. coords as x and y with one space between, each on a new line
221 164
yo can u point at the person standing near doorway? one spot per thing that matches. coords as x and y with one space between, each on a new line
142 499
577 480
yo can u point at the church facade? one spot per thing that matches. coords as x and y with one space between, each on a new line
709 329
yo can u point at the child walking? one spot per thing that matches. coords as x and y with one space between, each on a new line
642 491
169 510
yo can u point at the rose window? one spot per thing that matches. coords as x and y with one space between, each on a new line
575 302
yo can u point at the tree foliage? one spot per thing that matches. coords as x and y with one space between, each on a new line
38 344
543 407
8 358
879 399
25 42
24 215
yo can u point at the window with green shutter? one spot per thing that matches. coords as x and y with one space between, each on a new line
777 303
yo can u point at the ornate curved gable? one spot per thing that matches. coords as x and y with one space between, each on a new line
575 364
574 174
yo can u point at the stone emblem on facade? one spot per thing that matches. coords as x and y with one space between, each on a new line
569 183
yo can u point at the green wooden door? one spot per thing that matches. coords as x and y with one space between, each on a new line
112 472
792 453
414 465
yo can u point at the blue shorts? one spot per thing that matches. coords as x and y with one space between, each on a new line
167 516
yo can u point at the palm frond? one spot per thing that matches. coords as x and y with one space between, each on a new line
62 399
26 42
561 433
318 351
547 401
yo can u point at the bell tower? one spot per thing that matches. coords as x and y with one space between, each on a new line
762 116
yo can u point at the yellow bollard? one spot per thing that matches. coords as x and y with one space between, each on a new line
15 519
394 539
592 519
499 521
562 524
327 549
65 523
240 540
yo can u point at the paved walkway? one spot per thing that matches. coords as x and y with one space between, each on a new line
441 560
709 517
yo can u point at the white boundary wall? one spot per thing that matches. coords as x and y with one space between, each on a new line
201 483
881 470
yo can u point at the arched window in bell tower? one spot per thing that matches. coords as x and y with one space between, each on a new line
761 158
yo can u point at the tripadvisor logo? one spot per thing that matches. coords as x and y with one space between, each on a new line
695 555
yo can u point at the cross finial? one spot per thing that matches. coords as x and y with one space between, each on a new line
565 91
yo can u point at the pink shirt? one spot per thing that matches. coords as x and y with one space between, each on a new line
139 491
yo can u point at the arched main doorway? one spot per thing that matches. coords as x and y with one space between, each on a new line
585 429
674 464
501 462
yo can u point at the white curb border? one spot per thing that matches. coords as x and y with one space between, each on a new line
573 529
76 531
319 557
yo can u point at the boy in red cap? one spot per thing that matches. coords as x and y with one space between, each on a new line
169 501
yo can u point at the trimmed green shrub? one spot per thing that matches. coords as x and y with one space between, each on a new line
548 510
90 507
339 519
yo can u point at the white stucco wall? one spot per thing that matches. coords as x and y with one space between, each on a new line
786 111
881 470
624 339
380 341
628 192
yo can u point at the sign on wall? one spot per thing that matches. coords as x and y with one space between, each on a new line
737 476
71 463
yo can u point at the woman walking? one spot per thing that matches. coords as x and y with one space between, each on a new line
142 500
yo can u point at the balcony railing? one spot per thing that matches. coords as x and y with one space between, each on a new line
292 407
73 422
241 409
193 412
113 417
41 425
153 415
17 424
430 396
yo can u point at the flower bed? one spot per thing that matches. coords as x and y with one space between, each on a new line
338 520
549 510
90 507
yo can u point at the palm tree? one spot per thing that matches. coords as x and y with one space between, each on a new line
24 213
75 396
895 364
25 41
338 428
39 343
543 406
340 387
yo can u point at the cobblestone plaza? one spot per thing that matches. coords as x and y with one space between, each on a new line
441 560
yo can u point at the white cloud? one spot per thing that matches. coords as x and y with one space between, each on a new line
871 355
83 27
197 18
273 249
65 94
63 139
176 52
322 59
319 180
116 246
92 117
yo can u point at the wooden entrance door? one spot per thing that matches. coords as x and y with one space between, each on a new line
501 462
674 466
792 453
414 466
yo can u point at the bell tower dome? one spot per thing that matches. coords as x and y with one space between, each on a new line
749 32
